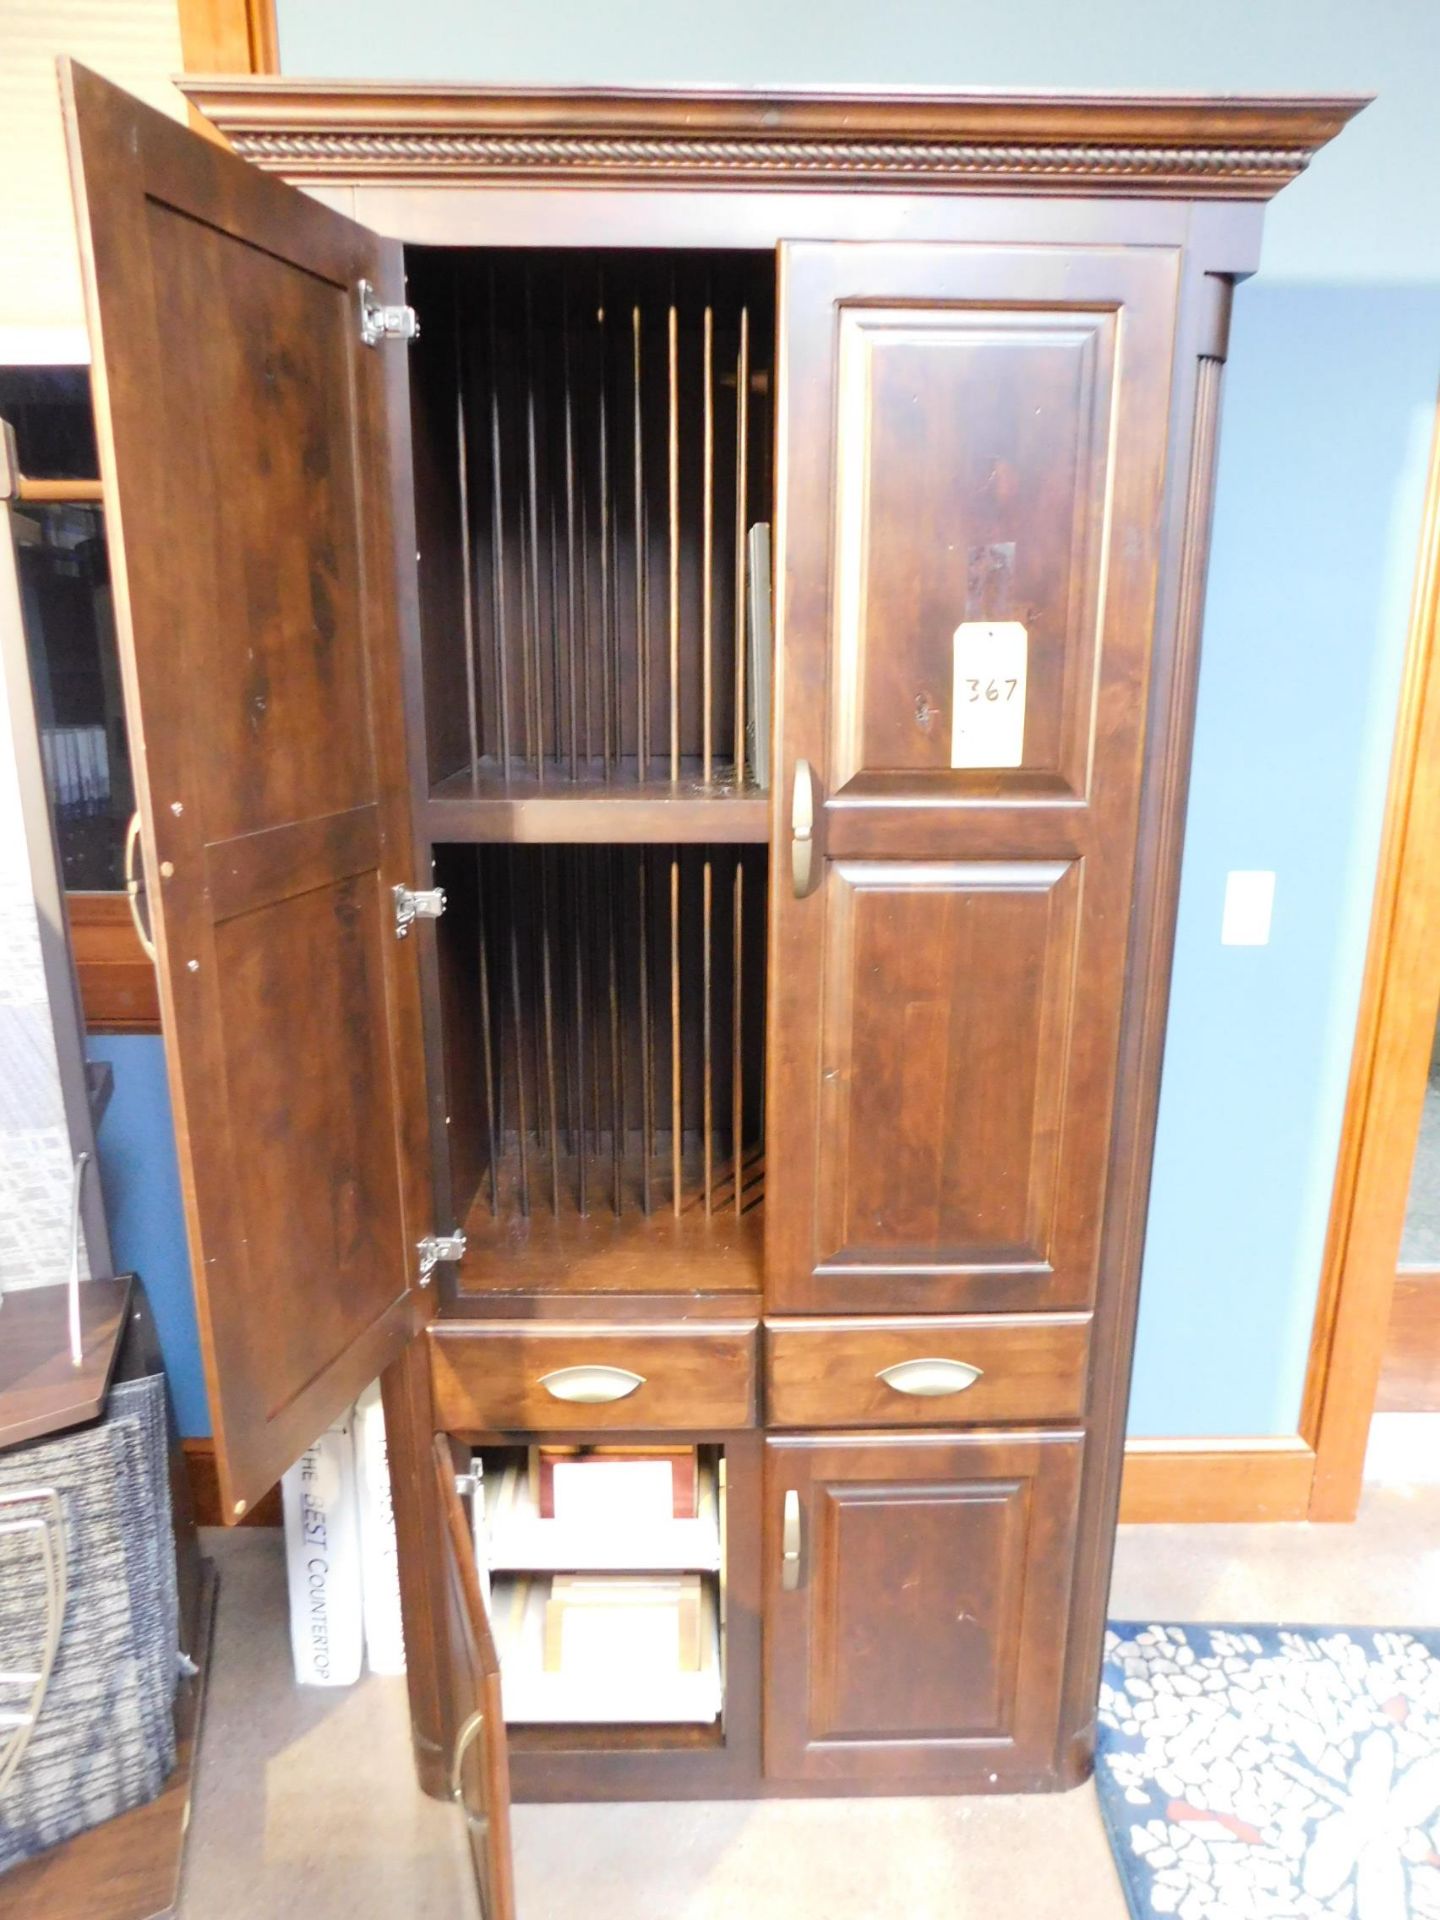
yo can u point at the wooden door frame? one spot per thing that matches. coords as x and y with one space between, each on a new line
1316 1473
1395 1033
229 36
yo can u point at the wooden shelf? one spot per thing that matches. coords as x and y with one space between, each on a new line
594 810
41 1391
518 1540
605 1251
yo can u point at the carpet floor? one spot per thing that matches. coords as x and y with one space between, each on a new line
306 1804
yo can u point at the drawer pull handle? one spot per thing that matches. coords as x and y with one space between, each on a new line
591 1386
929 1379
802 830
478 1822
790 1542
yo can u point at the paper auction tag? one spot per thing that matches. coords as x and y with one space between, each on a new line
988 714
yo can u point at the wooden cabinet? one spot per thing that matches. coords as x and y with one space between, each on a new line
916 1630
546 1029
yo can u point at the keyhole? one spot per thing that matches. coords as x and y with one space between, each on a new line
924 712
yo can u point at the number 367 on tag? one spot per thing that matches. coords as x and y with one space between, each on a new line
988 724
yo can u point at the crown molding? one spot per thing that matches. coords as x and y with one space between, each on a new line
343 132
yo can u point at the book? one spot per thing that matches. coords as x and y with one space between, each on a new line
379 1562
322 1560
618 1483
614 1622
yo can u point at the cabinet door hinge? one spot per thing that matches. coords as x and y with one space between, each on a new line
379 322
411 905
436 1247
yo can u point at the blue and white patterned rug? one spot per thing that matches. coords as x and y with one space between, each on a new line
1272 1773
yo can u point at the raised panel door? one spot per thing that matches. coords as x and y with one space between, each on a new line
971 463
917 1590
246 452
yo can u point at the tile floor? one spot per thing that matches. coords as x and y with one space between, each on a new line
306 1804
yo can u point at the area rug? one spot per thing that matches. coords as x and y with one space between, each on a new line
1272 1773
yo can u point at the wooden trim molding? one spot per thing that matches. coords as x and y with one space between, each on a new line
229 36
203 1474
1216 1480
993 142
1394 1036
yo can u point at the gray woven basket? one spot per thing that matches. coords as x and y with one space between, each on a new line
86 1720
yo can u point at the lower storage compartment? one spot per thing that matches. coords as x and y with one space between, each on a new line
647 1710
633 1658
918 1590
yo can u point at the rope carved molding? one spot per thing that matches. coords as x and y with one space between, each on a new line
1229 170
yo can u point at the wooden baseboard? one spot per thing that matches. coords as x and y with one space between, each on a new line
1216 1480
1164 1480
205 1490
1410 1372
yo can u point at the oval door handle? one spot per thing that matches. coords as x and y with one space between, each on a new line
790 1541
591 1386
477 1820
929 1379
802 830
133 885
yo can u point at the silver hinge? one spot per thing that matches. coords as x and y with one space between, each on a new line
436 1247
379 322
411 905
467 1485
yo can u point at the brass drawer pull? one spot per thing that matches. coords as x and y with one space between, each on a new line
478 1822
929 1379
591 1386
135 886
802 830
790 1542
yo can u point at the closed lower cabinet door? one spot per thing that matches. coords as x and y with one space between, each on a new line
917 1591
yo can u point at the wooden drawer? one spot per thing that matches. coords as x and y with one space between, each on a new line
828 1373
507 1376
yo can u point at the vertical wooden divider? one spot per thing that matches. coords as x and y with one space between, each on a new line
737 1020
742 506
497 544
547 990
677 1133
708 1122
707 564
607 696
642 602
580 935
674 476
647 1044
467 576
522 1120
487 1049
617 1072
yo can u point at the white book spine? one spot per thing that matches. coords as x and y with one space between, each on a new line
379 1561
322 1560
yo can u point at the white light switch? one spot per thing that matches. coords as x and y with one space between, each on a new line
1249 903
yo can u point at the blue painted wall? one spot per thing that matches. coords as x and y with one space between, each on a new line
136 1151
1331 391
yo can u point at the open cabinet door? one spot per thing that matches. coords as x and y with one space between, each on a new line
244 447
479 1758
